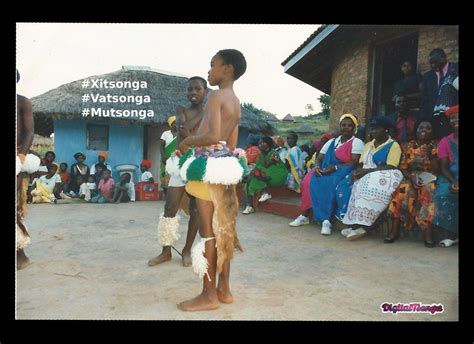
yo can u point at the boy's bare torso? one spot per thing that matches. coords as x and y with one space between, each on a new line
190 120
229 106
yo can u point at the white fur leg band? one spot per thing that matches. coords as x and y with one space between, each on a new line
168 230
31 163
172 166
200 263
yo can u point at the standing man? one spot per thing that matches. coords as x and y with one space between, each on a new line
187 122
438 92
25 164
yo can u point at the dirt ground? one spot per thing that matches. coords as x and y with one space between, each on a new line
90 262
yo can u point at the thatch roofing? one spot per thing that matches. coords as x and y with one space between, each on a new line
42 140
288 118
305 129
271 118
166 92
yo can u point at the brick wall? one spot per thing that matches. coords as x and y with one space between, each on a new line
350 84
349 91
446 37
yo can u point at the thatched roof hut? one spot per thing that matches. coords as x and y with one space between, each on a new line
288 118
305 129
271 118
165 93
42 144
42 140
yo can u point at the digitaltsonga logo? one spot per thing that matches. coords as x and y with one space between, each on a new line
413 307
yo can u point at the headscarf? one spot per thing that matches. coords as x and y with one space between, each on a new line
104 154
79 154
451 111
326 136
352 117
146 163
268 140
171 120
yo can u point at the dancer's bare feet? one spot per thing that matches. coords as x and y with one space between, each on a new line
202 302
22 260
225 296
186 258
163 257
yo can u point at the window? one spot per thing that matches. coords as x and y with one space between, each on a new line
97 137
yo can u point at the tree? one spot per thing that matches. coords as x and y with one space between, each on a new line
325 101
250 107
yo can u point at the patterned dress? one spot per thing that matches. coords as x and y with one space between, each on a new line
371 194
412 205
446 201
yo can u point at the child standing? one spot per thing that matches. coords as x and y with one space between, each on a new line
220 123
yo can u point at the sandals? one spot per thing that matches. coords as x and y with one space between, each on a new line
447 242
389 240
430 244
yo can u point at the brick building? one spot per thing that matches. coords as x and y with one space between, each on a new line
358 64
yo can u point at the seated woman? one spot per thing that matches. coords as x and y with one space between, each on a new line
45 187
306 208
447 185
294 163
252 151
78 169
280 147
413 201
269 171
365 194
146 175
337 159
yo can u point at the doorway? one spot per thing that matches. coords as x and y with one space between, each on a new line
389 57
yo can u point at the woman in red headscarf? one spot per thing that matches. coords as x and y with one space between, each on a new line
146 175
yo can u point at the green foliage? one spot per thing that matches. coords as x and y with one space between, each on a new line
325 101
317 122
265 115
